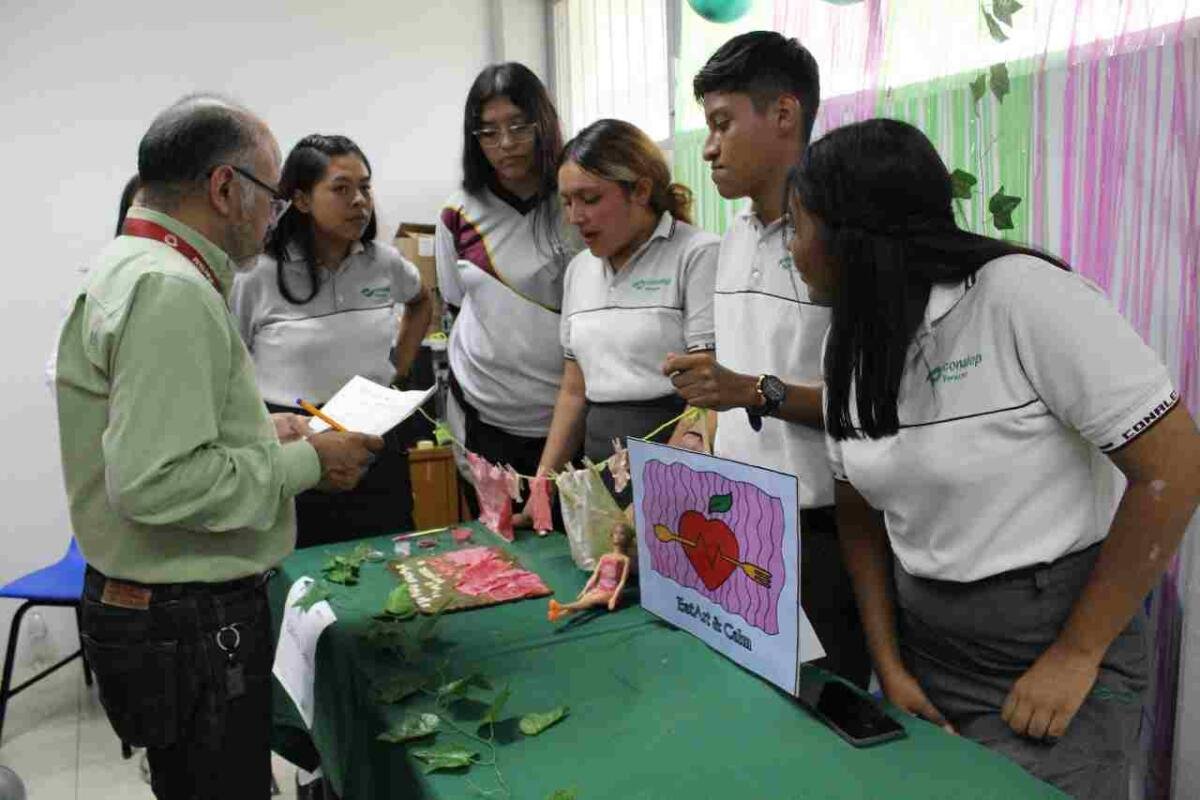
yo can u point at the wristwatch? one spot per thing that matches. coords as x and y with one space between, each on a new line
773 392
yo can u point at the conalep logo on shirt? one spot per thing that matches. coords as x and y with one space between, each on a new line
650 284
954 370
377 293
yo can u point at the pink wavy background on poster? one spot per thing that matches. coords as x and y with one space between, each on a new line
756 519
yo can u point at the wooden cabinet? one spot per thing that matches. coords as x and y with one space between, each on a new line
437 500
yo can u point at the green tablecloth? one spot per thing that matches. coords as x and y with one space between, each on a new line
654 713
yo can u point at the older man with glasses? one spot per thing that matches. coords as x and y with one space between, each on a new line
179 487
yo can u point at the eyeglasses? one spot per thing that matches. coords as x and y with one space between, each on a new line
492 137
279 203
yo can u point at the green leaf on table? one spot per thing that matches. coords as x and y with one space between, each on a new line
340 569
1001 206
993 27
459 687
413 726
399 687
362 552
562 794
979 88
400 604
1004 9
961 183
447 757
316 592
492 716
998 80
720 503
535 723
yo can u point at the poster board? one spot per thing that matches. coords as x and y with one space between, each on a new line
719 548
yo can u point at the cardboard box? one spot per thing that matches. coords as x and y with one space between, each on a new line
414 240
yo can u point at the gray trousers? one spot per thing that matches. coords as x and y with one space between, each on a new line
967 644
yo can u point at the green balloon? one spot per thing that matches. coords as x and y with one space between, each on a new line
720 10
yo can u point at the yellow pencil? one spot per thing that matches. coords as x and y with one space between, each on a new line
316 412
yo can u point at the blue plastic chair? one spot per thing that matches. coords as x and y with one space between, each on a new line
60 584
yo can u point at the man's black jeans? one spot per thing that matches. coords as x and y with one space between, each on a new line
184 670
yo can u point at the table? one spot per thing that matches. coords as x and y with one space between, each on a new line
654 713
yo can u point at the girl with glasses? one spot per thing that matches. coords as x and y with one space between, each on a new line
501 254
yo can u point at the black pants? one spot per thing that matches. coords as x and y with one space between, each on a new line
381 503
188 677
827 596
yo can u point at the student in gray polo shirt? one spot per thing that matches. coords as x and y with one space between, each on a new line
760 92
321 307
1014 470
643 289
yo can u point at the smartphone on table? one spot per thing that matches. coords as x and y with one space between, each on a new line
857 718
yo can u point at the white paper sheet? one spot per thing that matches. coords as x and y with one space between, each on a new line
295 658
366 407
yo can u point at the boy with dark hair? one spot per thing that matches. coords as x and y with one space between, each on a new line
761 92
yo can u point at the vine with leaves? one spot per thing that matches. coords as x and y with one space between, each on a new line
1000 205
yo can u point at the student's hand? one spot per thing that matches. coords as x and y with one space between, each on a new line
904 692
290 427
344 458
1043 701
704 383
612 602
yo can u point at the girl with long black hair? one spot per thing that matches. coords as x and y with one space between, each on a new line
1013 470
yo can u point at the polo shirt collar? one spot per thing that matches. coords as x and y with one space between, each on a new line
665 229
942 298
216 258
294 253
751 218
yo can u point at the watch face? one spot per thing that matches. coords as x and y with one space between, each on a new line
773 389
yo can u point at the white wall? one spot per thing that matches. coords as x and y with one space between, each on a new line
79 82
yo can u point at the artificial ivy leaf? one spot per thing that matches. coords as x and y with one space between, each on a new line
317 592
413 726
436 758
400 603
341 569
979 87
993 27
1001 206
533 724
562 794
458 688
398 687
1004 9
719 503
442 434
961 183
493 713
998 80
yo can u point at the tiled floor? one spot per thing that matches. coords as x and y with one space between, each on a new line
57 739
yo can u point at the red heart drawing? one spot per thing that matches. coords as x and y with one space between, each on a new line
712 539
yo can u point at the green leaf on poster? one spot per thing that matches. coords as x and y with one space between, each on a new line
998 80
720 503
979 88
961 183
993 27
1004 9
535 723
413 726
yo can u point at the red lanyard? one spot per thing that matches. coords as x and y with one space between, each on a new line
146 229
